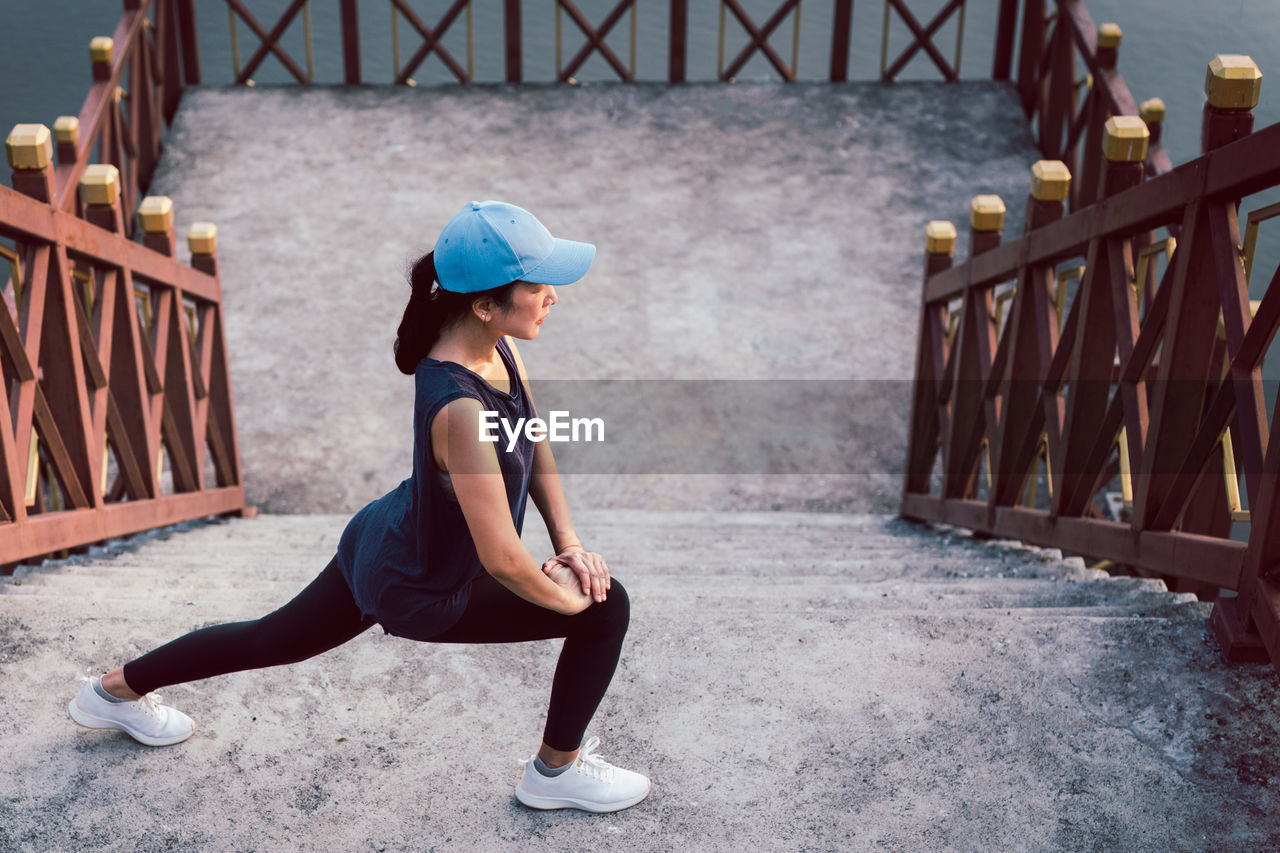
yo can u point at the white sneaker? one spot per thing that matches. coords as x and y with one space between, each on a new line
591 784
145 720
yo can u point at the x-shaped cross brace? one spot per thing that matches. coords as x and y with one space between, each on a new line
922 40
760 40
595 40
431 41
270 41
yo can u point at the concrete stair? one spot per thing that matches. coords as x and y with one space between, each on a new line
679 560
790 681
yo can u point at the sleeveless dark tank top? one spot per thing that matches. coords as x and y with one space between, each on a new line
408 556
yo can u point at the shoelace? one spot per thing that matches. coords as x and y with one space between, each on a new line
592 764
150 705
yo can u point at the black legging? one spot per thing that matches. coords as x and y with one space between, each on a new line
324 616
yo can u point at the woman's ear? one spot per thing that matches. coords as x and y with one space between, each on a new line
484 307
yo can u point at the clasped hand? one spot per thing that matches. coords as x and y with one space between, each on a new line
589 568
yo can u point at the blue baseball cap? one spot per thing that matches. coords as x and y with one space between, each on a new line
492 243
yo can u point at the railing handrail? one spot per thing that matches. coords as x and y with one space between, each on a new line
1048 89
1135 369
118 353
166 51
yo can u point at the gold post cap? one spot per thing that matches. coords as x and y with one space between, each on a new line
100 184
67 129
986 213
29 146
939 237
1151 110
202 238
100 49
1109 35
1050 180
1233 82
155 214
1125 139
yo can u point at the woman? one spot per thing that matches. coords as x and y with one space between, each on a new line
439 558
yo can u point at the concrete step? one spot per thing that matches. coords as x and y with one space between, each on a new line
777 562
671 589
293 548
178 618
201 610
233 570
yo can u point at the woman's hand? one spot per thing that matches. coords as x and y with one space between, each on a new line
564 576
589 568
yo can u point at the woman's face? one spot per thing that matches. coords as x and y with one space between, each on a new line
530 304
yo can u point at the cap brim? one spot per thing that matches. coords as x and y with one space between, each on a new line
568 262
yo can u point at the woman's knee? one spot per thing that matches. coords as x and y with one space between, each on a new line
614 613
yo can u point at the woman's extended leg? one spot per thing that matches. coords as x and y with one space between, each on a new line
593 642
321 617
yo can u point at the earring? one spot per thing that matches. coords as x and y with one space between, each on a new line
484 317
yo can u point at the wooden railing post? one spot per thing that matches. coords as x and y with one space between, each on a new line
100 51
1002 62
202 241
1107 319
186 21
514 37
1228 115
155 217
841 30
29 149
986 223
350 42
219 413
973 348
100 200
1028 343
1204 287
1030 54
1232 84
100 197
66 133
931 356
1152 112
678 50
1086 189
1248 626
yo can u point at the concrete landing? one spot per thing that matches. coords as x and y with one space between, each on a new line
790 682
745 232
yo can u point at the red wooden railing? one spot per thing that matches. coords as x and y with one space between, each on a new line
114 356
1148 386
138 77
139 80
115 368
758 34
1066 111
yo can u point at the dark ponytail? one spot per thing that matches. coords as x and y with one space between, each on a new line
431 309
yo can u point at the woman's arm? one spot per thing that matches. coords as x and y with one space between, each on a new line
548 497
544 481
477 481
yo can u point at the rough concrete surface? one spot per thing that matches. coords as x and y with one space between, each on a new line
790 682
744 232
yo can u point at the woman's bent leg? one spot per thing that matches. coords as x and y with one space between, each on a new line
321 617
593 643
